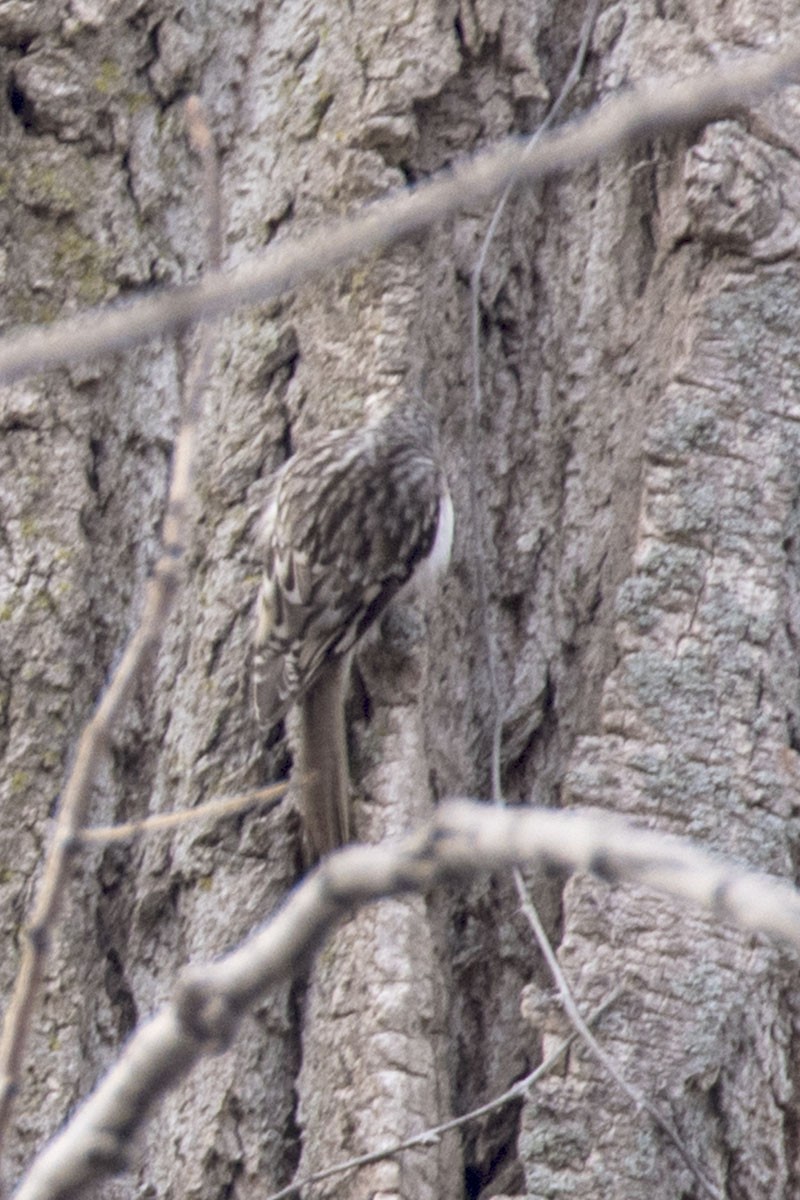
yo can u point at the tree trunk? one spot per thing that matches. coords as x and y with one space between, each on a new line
638 489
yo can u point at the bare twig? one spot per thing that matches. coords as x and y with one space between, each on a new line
159 597
202 142
660 108
638 1099
266 797
477 512
432 1135
461 840
569 1004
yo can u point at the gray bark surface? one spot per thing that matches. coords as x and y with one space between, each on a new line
638 478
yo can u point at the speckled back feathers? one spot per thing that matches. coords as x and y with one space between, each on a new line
349 520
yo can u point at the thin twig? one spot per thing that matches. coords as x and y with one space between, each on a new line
638 1099
267 797
94 740
477 514
642 112
461 840
202 142
430 1136
528 906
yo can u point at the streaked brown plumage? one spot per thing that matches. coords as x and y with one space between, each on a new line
351 520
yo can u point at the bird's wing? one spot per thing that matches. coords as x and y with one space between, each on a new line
346 528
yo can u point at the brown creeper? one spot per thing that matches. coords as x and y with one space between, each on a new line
352 519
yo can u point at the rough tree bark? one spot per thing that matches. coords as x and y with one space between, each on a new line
638 452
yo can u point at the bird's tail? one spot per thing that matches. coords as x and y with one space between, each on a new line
325 779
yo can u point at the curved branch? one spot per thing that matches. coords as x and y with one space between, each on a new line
463 838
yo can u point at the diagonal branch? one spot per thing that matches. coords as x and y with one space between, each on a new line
660 108
581 1027
463 839
102 835
431 1136
93 743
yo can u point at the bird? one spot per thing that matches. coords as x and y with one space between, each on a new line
353 519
